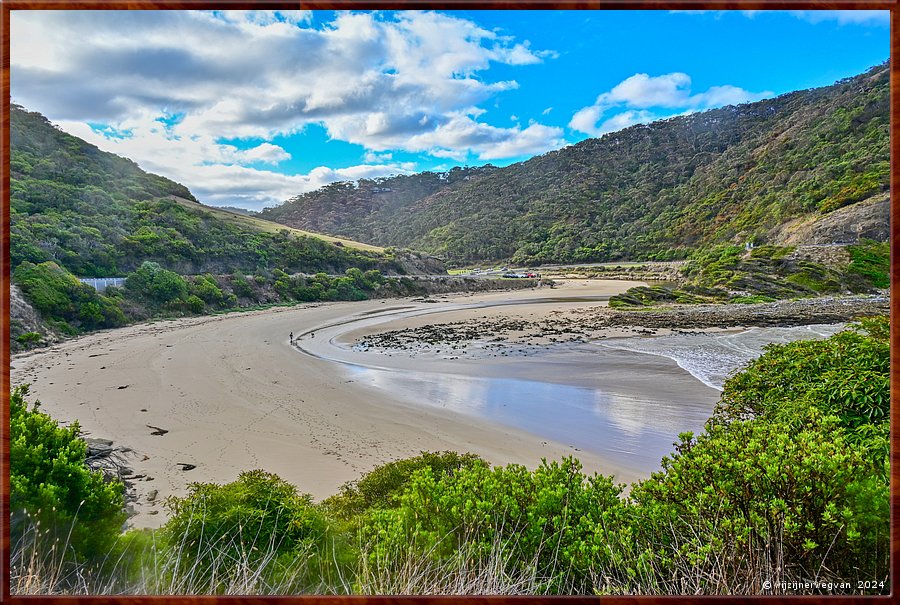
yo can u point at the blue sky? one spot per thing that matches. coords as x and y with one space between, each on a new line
250 108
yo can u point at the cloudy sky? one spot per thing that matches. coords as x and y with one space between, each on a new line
251 108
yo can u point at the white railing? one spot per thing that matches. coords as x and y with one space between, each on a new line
101 283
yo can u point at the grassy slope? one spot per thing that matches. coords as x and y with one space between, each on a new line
252 223
97 214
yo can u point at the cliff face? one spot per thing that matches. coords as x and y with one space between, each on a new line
25 320
869 219
415 263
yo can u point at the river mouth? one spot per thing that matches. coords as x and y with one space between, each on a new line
624 399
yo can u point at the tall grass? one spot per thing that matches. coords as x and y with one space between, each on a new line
43 564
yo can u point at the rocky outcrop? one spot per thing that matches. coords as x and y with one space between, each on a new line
869 219
834 256
804 311
26 326
416 263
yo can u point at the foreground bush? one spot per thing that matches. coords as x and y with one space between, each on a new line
380 487
77 509
258 521
548 524
752 501
845 376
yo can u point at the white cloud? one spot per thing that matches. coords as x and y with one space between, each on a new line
585 120
535 139
462 133
377 158
407 81
219 174
265 153
631 99
845 17
265 17
626 119
640 90
717 96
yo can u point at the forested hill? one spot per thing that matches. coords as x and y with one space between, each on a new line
96 214
369 208
749 172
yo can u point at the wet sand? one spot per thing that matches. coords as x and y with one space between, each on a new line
234 395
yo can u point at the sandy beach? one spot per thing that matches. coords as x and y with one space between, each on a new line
232 394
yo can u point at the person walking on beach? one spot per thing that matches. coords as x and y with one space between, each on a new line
292 338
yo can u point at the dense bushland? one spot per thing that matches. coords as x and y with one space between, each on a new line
71 307
788 483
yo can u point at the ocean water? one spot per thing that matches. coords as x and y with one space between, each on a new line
712 358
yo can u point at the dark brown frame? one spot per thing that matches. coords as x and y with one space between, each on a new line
8 5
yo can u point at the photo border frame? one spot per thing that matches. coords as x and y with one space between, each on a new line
10 5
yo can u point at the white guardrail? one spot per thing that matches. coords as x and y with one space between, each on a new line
101 283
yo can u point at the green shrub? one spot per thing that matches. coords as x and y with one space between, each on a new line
241 287
552 522
151 281
380 487
256 519
845 376
29 338
871 261
754 500
206 288
195 304
50 482
771 252
750 300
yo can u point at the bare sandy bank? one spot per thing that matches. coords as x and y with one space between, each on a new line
233 395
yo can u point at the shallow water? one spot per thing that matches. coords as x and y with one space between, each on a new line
712 358
622 399
632 427
634 432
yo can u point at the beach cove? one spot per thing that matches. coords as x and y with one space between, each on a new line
230 393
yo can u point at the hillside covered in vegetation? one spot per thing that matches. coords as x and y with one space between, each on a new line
370 208
730 175
77 211
98 214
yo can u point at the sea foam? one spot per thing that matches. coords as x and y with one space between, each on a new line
712 358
